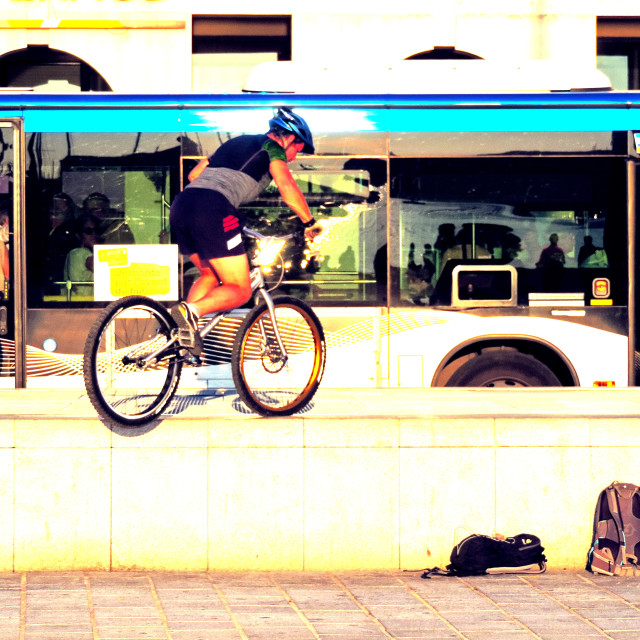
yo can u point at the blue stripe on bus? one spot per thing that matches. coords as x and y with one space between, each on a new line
505 119
98 121
336 121
236 114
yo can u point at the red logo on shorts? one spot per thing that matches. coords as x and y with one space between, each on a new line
229 223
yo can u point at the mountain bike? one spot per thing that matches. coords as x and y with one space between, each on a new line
135 351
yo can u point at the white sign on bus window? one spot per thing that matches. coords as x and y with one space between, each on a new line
136 269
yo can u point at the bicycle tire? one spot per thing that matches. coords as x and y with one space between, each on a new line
267 383
122 392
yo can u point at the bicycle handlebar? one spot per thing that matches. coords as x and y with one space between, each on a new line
252 233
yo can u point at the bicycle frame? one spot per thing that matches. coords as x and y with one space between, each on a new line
258 290
258 287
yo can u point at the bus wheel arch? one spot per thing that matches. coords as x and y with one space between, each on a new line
506 362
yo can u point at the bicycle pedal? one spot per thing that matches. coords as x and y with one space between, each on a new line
186 338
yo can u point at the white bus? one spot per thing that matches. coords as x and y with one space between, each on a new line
479 239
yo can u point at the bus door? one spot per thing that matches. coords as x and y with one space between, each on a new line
12 263
633 257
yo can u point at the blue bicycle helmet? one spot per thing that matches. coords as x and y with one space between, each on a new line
285 119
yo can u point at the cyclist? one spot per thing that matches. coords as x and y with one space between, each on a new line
207 224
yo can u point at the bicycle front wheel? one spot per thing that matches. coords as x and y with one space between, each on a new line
271 382
125 382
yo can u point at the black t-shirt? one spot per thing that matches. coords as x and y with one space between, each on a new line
239 169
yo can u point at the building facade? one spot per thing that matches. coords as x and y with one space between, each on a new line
173 46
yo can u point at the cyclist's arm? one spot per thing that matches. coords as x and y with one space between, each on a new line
292 195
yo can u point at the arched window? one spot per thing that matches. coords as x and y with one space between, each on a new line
44 69
443 53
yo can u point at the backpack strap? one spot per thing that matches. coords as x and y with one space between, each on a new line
605 527
601 557
436 571
531 569
631 530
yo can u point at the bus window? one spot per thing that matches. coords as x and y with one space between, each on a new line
353 143
89 188
348 197
560 222
493 143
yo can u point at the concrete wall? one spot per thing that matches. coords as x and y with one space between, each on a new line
299 493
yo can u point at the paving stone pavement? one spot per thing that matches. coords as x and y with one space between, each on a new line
323 605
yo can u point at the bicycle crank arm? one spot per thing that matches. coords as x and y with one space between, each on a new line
151 358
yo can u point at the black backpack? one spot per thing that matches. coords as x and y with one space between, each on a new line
615 546
479 555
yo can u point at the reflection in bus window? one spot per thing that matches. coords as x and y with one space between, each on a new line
590 256
533 214
61 239
78 265
112 224
347 197
125 180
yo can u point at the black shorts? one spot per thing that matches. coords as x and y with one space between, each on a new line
204 222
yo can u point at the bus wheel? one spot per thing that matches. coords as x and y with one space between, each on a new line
503 369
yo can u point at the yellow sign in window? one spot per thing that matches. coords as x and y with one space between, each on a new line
142 279
136 269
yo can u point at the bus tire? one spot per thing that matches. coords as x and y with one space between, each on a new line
504 368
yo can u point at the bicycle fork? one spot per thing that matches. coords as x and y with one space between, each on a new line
260 291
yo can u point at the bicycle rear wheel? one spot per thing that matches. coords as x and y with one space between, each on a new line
269 382
121 386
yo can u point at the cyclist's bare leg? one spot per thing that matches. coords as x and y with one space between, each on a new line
206 282
223 284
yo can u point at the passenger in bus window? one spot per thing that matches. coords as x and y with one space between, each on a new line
113 227
446 237
78 268
62 237
445 240
419 275
411 265
551 262
207 224
380 271
347 260
428 268
511 248
590 256
552 256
